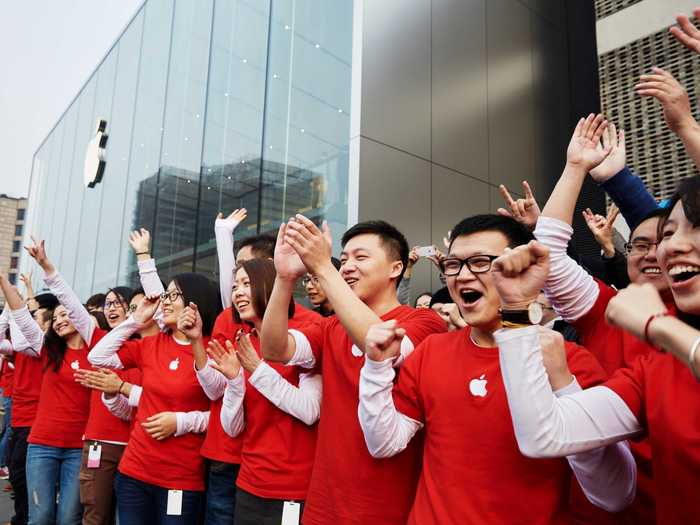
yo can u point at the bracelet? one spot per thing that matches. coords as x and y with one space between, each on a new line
141 253
651 318
691 358
120 388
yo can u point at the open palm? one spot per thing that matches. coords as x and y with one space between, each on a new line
288 264
583 150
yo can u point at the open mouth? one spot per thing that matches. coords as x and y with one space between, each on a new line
469 297
681 273
242 304
113 317
652 270
351 281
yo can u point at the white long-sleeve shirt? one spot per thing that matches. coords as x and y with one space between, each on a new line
104 353
77 313
388 432
152 285
223 231
302 402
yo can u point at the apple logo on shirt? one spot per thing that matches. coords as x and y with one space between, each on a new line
477 387
174 364
356 351
75 365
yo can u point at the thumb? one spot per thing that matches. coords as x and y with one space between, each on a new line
504 212
193 306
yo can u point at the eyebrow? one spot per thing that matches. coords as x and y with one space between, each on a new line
641 238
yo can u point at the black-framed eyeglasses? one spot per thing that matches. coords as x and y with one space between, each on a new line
171 296
639 247
115 304
451 266
309 279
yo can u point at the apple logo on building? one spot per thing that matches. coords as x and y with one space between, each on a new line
477 387
95 156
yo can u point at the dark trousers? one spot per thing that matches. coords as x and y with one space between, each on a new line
221 493
140 503
97 484
18 473
254 510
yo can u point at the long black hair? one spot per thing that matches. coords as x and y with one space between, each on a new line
200 290
54 345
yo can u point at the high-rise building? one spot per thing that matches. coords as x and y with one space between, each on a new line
632 37
408 110
12 216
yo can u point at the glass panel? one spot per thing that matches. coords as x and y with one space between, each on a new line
139 210
233 131
178 188
111 239
83 134
307 125
91 218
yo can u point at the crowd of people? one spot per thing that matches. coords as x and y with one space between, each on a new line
537 387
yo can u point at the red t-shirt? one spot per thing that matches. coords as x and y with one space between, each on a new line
169 385
614 348
29 373
278 449
64 404
218 445
347 484
473 470
6 377
102 425
665 398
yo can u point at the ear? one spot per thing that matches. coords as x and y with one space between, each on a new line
396 269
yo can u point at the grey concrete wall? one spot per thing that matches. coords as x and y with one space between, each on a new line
457 96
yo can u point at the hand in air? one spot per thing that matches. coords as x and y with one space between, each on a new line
519 274
383 340
526 211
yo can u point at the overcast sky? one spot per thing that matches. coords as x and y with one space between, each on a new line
48 48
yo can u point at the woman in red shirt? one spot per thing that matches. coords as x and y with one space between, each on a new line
274 407
161 479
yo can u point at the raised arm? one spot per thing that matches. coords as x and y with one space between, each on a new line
77 313
223 231
140 241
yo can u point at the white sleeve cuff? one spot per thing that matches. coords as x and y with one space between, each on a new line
303 355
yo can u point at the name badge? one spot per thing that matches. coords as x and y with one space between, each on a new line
290 513
174 503
94 455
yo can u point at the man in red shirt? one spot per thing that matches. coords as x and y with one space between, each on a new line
347 484
473 470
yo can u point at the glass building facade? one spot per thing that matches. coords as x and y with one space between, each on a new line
211 105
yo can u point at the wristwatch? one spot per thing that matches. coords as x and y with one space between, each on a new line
521 318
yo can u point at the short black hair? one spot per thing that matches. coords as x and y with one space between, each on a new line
200 290
137 291
442 296
48 300
262 246
516 233
95 301
122 292
688 194
659 213
392 240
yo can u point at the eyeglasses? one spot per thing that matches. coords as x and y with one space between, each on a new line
171 296
639 248
306 280
115 304
451 266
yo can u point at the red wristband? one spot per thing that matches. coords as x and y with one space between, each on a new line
651 318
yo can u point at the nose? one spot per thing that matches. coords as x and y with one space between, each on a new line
678 243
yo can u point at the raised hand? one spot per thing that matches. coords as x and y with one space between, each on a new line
383 341
225 359
26 279
234 219
673 97
451 315
632 307
288 264
583 151
526 211
246 353
603 228
161 425
101 379
519 274
146 309
38 252
313 245
554 358
616 159
190 322
140 241
686 33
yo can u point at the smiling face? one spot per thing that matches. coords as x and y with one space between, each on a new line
475 294
314 291
644 267
114 310
679 257
242 297
367 268
61 323
172 305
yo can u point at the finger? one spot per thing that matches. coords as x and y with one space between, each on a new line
504 212
578 130
599 130
656 93
327 232
307 223
194 308
520 203
586 131
612 135
652 84
612 216
528 191
687 26
506 196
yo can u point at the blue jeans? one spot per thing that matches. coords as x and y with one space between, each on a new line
221 493
46 467
140 503
7 403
